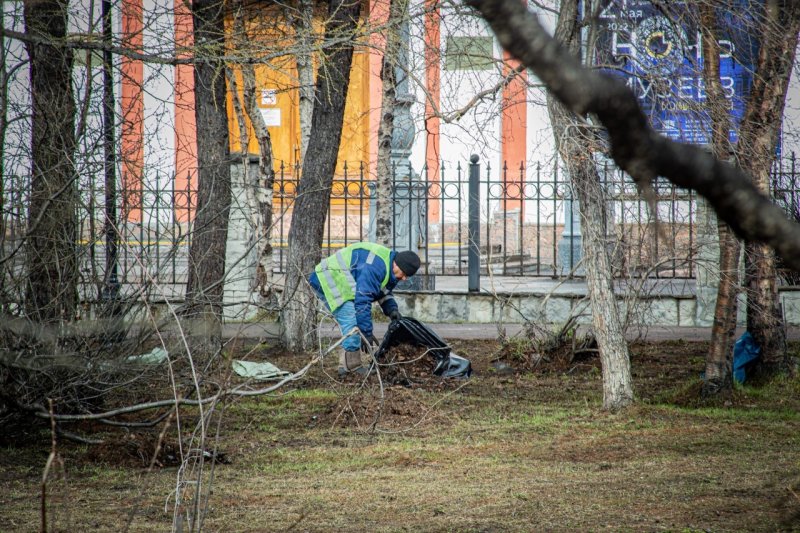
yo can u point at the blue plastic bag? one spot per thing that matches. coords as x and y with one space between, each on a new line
745 354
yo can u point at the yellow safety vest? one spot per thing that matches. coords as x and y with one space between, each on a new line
335 278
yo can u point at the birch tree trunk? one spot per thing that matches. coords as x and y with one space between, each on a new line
259 186
574 143
304 59
384 221
299 304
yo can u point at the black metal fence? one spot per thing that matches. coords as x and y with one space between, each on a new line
523 222
526 222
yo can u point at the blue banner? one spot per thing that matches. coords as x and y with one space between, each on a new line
658 51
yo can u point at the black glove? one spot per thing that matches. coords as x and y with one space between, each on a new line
395 315
366 341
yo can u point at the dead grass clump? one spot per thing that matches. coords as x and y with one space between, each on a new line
141 449
553 354
135 450
690 396
396 396
687 395
394 408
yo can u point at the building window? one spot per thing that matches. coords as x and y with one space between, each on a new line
469 53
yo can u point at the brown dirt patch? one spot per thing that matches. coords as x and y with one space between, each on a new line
391 408
141 450
402 393
135 450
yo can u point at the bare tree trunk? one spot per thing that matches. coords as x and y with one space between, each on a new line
614 356
4 299
574 144
51 257
205 286
310 210
259 187
248 182
757 145
262 186
719 359
304 59
383 181
764 317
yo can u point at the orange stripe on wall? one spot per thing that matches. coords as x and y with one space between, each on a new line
131 136
513 134
185 130
433 83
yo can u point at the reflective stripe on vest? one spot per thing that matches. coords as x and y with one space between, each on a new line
335 278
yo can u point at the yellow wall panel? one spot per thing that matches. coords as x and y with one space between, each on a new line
354 146
278 102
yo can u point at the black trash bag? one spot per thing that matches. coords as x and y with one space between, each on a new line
408 330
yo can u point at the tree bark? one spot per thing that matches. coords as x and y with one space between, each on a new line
574 143
757 146
635 146
384 221
719 359
259 187
207 251
310 210
303 29
52 293
4 298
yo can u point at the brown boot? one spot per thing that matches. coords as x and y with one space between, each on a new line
350 362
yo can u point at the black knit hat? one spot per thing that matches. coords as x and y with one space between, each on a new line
408 262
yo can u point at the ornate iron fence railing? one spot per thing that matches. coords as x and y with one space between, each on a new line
527 220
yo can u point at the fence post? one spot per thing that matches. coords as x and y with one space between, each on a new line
474 226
